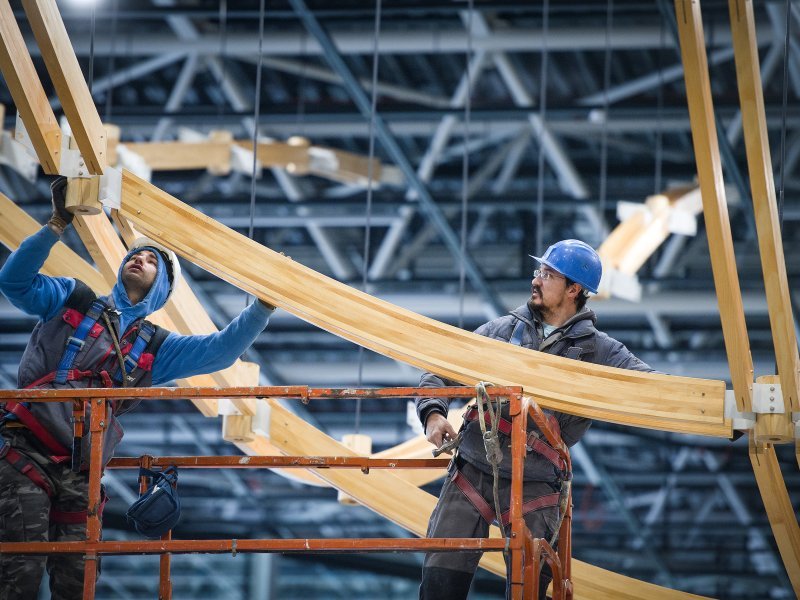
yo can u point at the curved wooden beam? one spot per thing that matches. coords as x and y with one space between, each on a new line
779 508
408 506
668 403
762 187
715 208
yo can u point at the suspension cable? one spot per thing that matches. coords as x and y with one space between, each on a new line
256 117
111 57
370 186
606 104
542 116
659 154
223 50
91 50
782 160
462 274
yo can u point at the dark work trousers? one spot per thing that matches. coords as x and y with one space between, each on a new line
448 575
25 517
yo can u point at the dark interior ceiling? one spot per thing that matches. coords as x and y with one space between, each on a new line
575 106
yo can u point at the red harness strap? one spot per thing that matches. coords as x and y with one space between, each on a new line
60 454
486 511
72 375
66 517
25 465
534 442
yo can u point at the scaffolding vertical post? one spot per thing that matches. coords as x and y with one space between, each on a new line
97 427
516 520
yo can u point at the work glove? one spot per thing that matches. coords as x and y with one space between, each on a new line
61 217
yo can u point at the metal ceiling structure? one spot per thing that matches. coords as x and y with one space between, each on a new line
611 124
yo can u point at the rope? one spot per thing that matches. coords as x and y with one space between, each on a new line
256 116
542 114
117 349
370 181
491 442
462 273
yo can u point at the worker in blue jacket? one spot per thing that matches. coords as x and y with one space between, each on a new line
83 341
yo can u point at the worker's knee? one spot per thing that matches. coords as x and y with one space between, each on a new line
444 584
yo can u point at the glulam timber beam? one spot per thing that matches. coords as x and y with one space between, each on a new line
762 187
717 221
297 157
410 507
16 225
65 73
668 403
27 91
779 508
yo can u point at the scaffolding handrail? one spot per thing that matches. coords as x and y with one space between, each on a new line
524 554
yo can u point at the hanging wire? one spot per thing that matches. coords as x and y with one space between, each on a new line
370 177
111 61
462 275
786 42
223 50
606 85
542 116
659 154
301 79
256 117
91 51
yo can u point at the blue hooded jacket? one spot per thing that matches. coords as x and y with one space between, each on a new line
178 357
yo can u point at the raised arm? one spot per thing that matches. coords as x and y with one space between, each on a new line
27 289
186 355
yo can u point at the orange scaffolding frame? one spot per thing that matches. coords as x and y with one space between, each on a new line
526 553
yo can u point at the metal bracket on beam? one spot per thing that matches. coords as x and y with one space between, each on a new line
110 194
741 421
261 419
767 398
72 164
17 155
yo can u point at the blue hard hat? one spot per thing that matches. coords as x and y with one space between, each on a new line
575 260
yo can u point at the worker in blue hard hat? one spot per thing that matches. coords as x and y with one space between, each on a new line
554 320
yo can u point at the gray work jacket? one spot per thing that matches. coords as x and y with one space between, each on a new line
577 339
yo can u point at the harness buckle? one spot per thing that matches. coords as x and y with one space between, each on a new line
4 450
73 341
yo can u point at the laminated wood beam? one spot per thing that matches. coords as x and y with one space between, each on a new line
65 72
182 156
410 507
27 91
662 402
718 228
762 187
779 508
16 225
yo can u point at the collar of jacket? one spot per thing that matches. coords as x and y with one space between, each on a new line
581 324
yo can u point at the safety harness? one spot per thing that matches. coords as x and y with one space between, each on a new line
27 467
84 325
491 423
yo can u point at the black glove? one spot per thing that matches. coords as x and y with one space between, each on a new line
61 217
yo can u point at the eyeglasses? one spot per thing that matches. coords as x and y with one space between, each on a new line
545 275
